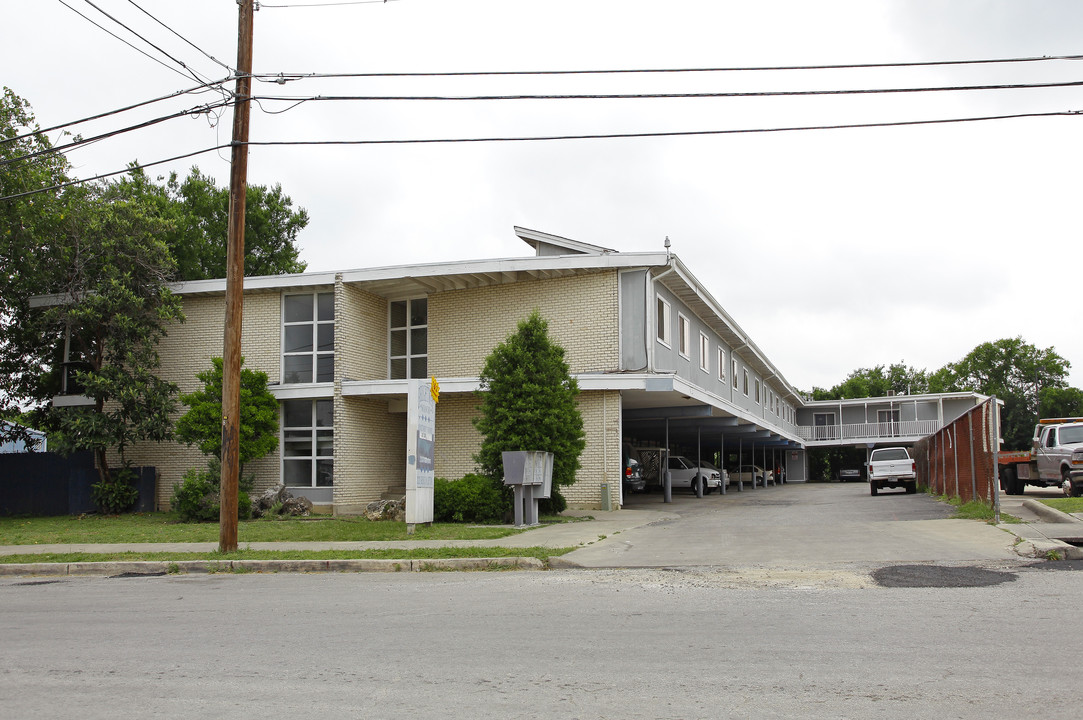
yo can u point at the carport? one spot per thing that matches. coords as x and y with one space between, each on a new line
702 430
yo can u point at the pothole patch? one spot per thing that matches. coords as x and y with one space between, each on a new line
937 576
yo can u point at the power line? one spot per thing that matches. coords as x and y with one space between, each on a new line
211 57
117 111
75 144
285 77
649 96
132 166
674 133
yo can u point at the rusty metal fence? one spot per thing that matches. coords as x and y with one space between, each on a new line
960 459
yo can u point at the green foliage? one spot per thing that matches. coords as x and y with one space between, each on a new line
473 499
196 498
116 493
1061 402
878 381
202 424
528 402
201 209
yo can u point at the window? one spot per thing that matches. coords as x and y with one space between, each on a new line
824 426
308 443
745 375
684 335
733 373
757 398
308 338
721 365
408 345
663 322
704 353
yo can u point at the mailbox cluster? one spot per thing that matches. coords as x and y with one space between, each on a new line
530 474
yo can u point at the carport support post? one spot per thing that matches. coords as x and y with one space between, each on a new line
699 461
667 478
722 460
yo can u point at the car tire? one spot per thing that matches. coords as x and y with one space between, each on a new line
696 483
911 487
872 489
1067 485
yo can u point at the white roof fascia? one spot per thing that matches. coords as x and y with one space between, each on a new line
256 282
885 399
705 296
536 237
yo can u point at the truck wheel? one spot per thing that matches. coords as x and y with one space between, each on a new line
697 486
1067 485
872 489
912 487
1019 486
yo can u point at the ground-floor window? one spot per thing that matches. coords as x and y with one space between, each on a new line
308 444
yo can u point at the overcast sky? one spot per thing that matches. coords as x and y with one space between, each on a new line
834 249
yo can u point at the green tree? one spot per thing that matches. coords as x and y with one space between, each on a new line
1013 370
109 270
528 402
878 381
201 210
202 424
1061 402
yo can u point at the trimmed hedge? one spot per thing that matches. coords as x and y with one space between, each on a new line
474 498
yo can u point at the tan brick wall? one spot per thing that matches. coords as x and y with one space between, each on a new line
360 335
370 451
465 325
188 349
600 461
456 438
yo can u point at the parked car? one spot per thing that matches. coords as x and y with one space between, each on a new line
746 473
684 473
847 474
632 475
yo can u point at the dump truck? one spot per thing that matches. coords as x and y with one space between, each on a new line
1048 463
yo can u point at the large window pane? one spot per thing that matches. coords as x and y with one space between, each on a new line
325 368
298 308
398 314
419 312
326 306
398 369
325 413
325 443
325 473
419 367
419 341
297 473
297 369
297 413
297 338
325 337
398 343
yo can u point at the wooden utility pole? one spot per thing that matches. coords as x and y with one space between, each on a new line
231 344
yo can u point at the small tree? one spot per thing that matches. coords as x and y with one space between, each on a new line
197 497
528 403
202 424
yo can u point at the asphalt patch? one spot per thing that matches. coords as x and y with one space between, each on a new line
935 576
38 582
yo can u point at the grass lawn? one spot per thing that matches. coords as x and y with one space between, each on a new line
976 510
542 553
1068 505
163 527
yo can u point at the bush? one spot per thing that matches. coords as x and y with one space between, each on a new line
475 498
196 499
115 494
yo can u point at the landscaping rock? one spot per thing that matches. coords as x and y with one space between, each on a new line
278 495
394 510
297 507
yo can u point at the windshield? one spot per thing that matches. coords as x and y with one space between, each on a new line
890 454
1071 434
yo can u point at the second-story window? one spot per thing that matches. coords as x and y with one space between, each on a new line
308 338
662 319
721 365
704 353
733 374
684 335
408 344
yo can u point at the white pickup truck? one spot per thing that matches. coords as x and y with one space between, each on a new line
892 468
1050 462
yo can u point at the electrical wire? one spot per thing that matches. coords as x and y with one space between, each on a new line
206 54
649 96
286 77
78 143
542 138
117 111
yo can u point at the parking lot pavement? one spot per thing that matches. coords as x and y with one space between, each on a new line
799 525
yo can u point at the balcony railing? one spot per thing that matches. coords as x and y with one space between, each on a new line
868 431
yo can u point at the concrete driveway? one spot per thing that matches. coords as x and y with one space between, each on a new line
799 525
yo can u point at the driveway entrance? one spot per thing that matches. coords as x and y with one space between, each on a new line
798 525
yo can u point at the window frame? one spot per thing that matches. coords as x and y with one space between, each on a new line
733 372
663 321
721 365
318 435
745 381
315 353
684 336
408 329
705 353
